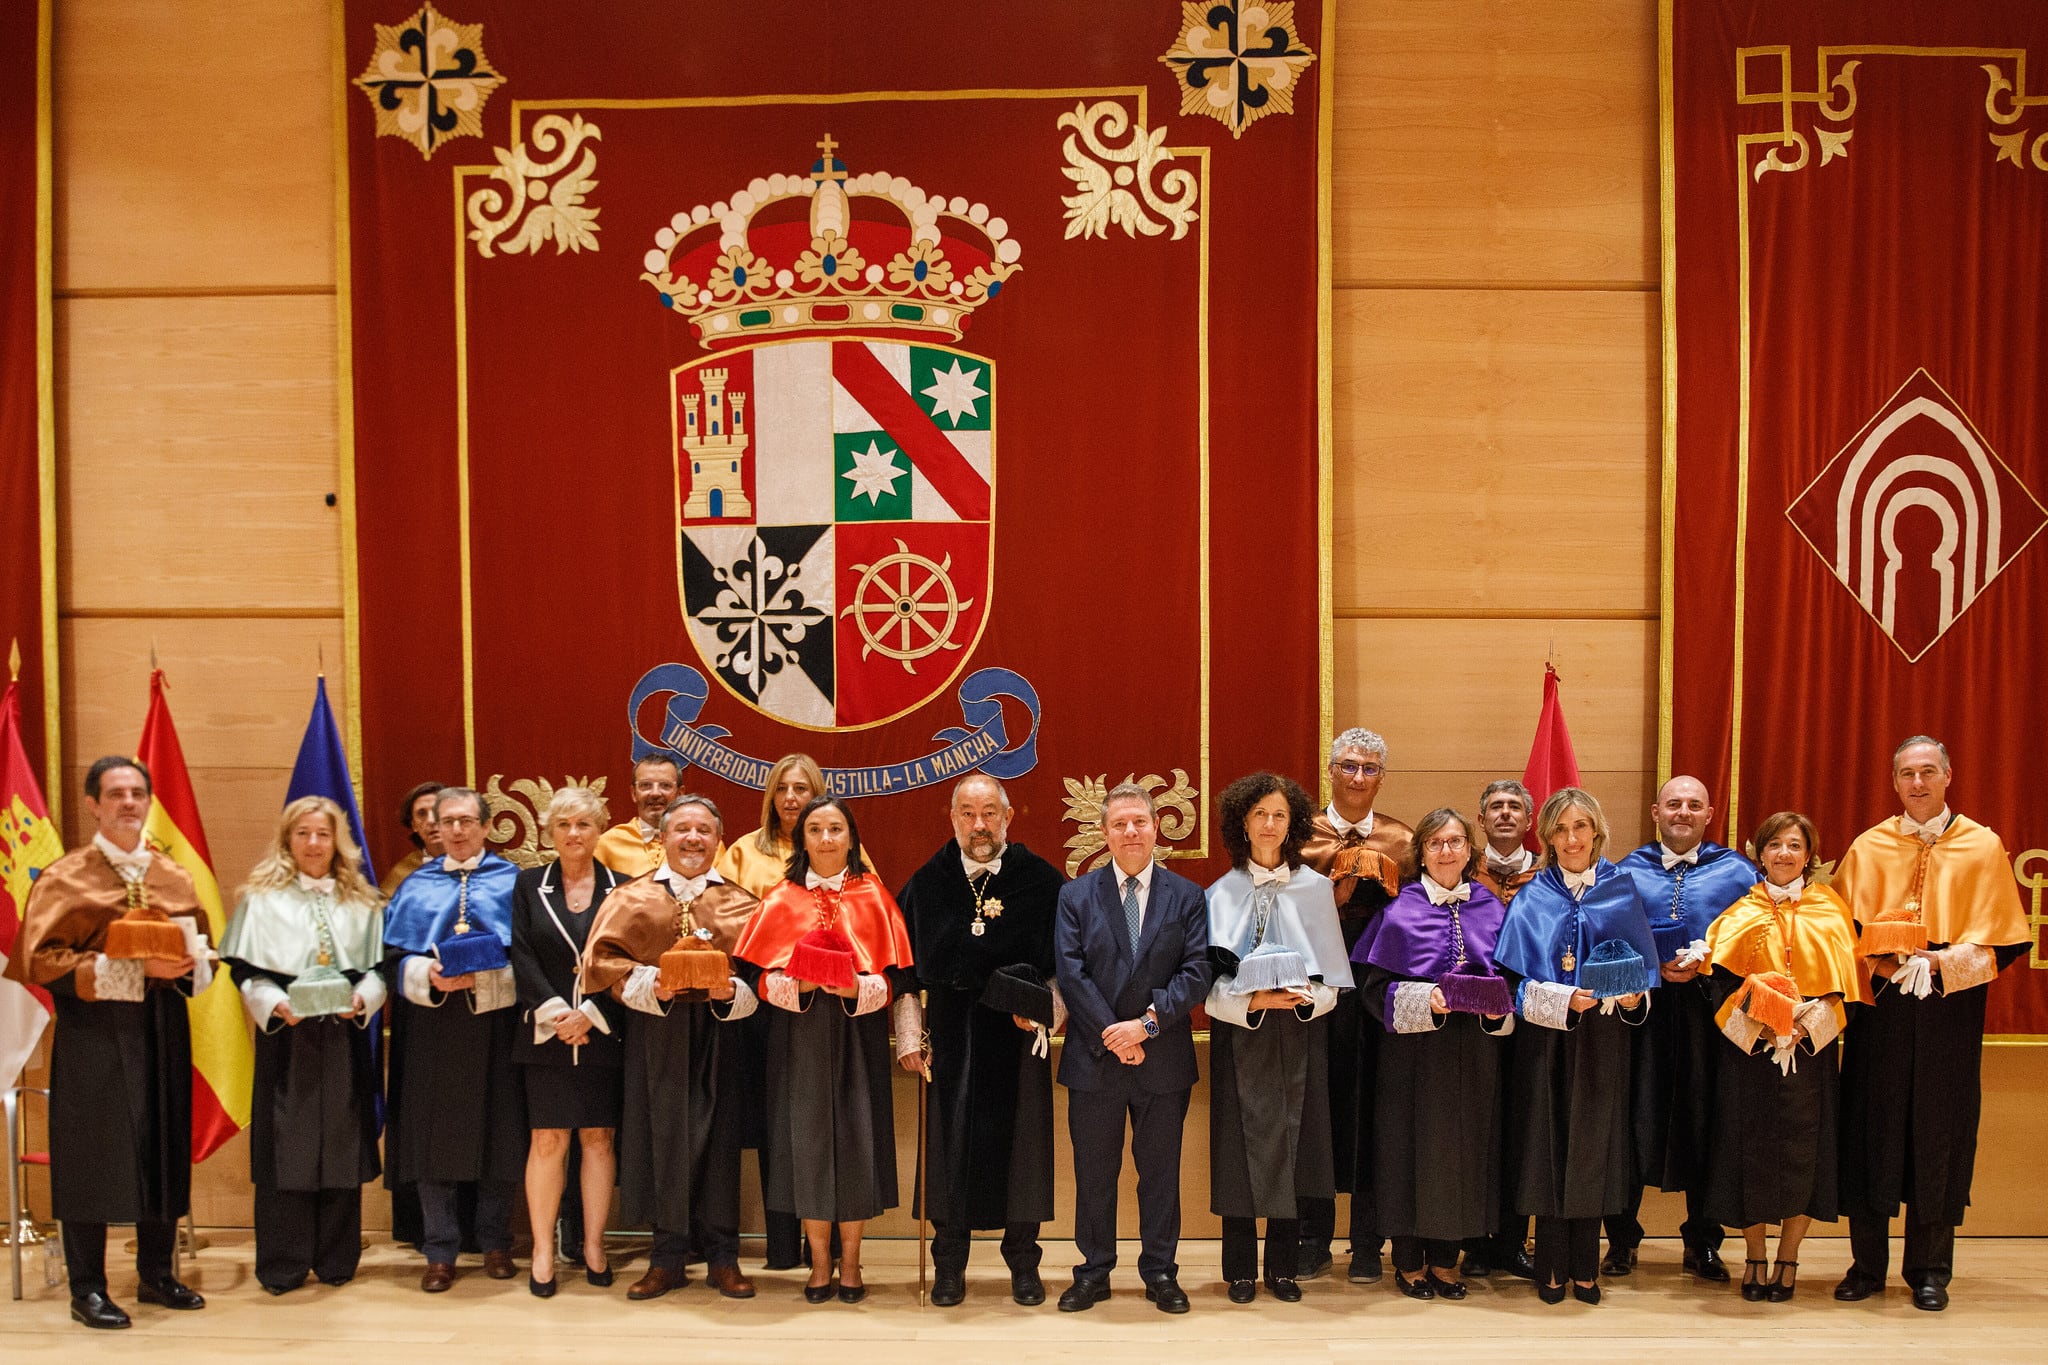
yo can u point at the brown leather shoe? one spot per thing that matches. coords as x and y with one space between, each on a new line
728 1280
498 1265
656 1282
439 1275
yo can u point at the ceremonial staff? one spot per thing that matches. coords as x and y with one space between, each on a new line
924 1085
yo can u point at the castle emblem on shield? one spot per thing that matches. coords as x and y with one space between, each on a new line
835 454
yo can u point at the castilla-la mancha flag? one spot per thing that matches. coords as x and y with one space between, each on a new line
28 844
223 1060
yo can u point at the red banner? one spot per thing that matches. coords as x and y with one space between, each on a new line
931 389
1856 419
28 600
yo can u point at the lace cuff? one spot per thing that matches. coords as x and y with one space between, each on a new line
1546 1004
873 994
1408 1007
1964 965
261 996
1823 1020
638 991
782 992
118 978
494 990
906 1020
743 1003
1741 1030
1059 1008
1229 1007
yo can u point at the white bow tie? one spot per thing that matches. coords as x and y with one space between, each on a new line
813 881
319 885
131 866
1690 857
1926 833
1446 895
1578 883
684 888
1345 829
466 865
1270 876
1791 891
993 867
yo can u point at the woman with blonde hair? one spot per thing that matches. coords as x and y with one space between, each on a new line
1576 947
571 1045
304 945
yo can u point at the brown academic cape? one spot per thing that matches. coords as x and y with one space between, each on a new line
120 1071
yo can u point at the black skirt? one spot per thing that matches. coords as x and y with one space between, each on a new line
586 1096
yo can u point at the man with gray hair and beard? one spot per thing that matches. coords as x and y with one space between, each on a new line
1368 855
981 916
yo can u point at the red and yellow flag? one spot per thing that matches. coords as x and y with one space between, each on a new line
223 1059
28 844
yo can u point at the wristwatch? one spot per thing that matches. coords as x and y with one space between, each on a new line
1151 1024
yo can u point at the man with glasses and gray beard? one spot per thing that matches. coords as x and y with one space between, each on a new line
1368 855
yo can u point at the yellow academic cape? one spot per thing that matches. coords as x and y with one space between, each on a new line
1967 896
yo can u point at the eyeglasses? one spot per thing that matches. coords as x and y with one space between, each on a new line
1454 844
459 821
1359 769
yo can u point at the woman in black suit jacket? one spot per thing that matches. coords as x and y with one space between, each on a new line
573 1050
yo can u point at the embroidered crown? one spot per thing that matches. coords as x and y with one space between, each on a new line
868 253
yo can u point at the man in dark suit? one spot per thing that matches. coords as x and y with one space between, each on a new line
1132 944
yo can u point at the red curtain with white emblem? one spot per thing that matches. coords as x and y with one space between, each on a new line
1857 231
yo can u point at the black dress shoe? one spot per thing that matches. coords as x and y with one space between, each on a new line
1243 1291
1476 1266
1287 1291
600 1279
1707 1264
1417 1288
1083 1295
1366 1268
949 1287
1026 1289
1620 1262
1550 1293
1930 1298
852 1293
1170 1297
821 1293
274 1290
168 1293
1520 1264
1314 1262
1586 1293
542 1289
1856 1287
1780 1291
1447 1289
99 1311
1755 1289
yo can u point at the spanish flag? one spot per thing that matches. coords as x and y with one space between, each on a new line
28 844
223 1059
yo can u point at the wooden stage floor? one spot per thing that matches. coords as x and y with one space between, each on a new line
1999 1312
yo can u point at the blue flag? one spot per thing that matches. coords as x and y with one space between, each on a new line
322 770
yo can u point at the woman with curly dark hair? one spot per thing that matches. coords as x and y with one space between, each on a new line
1280 961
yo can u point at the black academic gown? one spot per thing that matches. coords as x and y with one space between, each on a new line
1436 1122
313 1108
1269 1115
121 1153
679 1144
458 1106
1772 1136
989 1135
1569 1114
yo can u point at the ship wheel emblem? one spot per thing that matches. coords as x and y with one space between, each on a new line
906 596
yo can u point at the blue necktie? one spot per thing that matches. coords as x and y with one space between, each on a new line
1131 911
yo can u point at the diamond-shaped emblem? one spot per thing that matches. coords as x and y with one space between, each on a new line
1917 515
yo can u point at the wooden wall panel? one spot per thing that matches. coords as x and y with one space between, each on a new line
1497 140
200 442
193 144
1499 451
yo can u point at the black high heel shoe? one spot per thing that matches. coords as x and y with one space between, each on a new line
1550 1293
1779 1291
821 1293
542 1289
1754 1289
601 1279
1586 1293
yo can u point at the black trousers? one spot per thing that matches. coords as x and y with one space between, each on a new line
1498 1249
1625 1230
673 1248
85 1254
950 1245
302 1232
1319 1227
1930 1251
1412 1253
1567 1249
1095 1124
1241 1248
443 1235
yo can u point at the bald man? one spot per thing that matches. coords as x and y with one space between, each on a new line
1685 882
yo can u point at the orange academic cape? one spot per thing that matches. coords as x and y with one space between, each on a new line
1749 937
64 925
637 924
865 913
1969 895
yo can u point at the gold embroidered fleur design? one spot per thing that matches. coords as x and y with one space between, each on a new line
515 815
739 272
428 80
831 260
1116 183
2006 103
1238 61
1175 801
922 263
523 196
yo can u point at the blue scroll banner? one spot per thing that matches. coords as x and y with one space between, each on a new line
983 743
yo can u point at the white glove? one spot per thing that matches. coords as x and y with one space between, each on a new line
1786 1053
1041 1041
1693 954
1914 976
1609 1003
